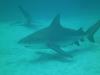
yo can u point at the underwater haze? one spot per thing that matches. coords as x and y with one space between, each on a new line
20 18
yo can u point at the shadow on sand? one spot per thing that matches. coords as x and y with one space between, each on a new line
47 57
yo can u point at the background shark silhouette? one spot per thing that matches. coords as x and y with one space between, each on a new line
56 36
28 23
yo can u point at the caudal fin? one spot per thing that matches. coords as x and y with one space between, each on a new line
92 30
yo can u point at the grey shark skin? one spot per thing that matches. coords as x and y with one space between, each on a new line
56 36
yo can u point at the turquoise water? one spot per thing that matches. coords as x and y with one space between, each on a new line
15 59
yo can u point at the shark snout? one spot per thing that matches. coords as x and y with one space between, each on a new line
21 42
26 41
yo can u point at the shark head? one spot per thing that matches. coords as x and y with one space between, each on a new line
33 43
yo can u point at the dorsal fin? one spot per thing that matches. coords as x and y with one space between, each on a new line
80 30
56 22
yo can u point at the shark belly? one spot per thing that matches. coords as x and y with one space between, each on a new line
36 46
69 41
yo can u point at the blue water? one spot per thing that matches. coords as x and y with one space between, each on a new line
16 59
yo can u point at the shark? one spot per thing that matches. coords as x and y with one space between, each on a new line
28 20
27 16
55 36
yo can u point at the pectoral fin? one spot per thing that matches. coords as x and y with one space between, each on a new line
57 49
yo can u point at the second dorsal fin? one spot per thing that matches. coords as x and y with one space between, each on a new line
80 30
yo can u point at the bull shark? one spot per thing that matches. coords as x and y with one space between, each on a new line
55 36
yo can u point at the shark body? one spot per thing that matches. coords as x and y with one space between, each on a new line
56 36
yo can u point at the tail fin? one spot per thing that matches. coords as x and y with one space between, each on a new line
92 30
